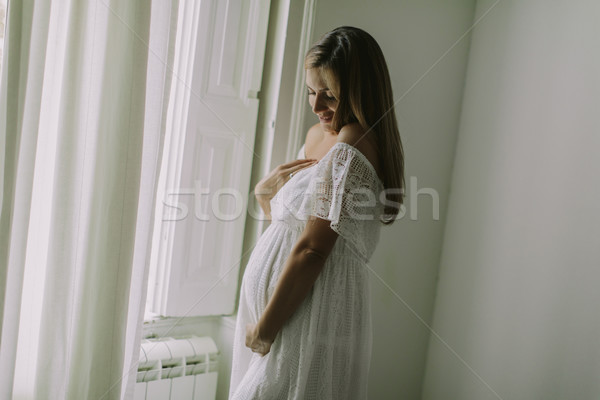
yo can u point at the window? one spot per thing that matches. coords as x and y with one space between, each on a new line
207 157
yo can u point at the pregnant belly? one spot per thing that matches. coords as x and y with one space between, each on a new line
266 263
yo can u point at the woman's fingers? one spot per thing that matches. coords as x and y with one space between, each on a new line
254 342
295 168
300 161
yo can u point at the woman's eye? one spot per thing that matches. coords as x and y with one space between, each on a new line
328 97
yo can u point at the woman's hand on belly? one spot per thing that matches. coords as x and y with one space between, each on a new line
255 342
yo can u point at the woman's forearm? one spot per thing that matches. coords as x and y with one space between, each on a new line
300 272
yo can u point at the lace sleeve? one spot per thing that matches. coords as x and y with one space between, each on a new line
345 190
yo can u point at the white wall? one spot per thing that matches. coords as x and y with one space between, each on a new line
518 290
413 34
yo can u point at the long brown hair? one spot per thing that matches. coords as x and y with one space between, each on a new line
355 71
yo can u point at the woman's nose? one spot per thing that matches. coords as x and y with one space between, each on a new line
319 104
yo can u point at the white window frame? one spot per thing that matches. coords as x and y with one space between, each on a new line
281 127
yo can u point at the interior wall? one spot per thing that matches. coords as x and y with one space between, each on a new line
517 303
426 51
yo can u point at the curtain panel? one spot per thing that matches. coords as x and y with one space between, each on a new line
82 111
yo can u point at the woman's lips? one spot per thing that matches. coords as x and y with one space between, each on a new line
325 119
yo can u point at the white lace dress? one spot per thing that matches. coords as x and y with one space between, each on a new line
323 351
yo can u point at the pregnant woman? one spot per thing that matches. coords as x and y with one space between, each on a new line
304 325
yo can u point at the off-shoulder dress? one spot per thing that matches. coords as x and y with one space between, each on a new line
323 351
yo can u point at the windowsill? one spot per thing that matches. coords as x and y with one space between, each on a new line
158 326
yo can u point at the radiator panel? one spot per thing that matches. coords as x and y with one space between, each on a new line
177 369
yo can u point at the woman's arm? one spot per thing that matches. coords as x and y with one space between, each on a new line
300 272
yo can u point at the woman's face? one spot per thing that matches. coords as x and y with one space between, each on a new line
321 99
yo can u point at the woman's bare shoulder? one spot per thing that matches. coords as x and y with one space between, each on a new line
354 135
364 141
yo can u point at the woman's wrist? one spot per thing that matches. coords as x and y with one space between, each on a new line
265 333
264 199
265 205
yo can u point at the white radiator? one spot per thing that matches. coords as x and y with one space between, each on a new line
177 369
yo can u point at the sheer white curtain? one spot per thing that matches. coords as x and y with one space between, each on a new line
81 115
